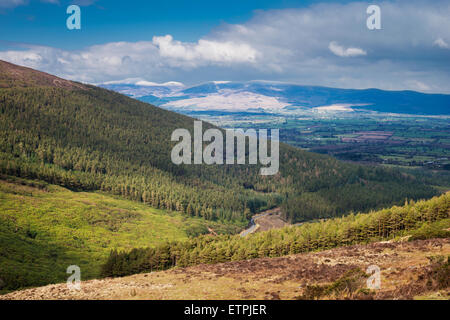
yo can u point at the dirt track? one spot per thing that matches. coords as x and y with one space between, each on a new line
269 219
405 271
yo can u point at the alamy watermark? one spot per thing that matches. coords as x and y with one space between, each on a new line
74 20
213 153
373 22
374 280
74 281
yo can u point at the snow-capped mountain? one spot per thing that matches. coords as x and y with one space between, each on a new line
276 97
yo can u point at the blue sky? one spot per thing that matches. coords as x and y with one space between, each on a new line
43 22
307 42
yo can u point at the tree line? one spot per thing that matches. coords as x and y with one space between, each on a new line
422 219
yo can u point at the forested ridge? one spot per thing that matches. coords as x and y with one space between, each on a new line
421 220
87 138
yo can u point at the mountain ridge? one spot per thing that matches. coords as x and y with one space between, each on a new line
291 95
12 75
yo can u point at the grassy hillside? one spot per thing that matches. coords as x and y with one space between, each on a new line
45 228
87 139
409 270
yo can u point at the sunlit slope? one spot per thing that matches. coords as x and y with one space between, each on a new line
45 228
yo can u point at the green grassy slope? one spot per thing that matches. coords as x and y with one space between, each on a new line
46 228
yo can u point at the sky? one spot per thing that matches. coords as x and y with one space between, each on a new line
324 43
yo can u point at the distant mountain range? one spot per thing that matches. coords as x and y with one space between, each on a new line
275 97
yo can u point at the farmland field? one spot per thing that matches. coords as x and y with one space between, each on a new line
378 138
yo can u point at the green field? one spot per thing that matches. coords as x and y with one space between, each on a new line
46 228
416 141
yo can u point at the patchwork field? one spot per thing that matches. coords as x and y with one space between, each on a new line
368 137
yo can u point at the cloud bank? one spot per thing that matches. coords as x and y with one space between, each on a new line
325 44
205 51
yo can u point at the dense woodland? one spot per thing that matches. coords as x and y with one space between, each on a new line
87 138
424 219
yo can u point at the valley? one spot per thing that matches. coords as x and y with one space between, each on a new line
86 179
414 221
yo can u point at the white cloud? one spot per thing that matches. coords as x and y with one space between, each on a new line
145 83
93 64
143 59
345 52
441 43
205 51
